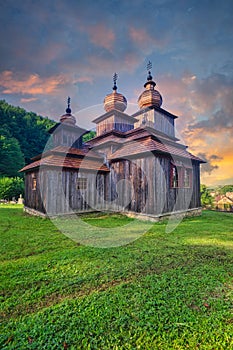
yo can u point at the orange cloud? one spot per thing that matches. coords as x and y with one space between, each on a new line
34 84
102 36
27 100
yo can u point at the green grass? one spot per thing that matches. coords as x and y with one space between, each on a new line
162 291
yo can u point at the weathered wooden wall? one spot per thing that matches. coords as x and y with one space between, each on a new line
64 137
33 197
156 120
140 185
61 195
113 122
146 188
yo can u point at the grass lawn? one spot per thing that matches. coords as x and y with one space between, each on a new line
162 291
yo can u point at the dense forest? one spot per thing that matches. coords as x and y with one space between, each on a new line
22 135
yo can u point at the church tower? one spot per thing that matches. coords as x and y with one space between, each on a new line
114 119
151 114
66 133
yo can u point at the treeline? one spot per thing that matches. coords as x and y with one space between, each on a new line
22 135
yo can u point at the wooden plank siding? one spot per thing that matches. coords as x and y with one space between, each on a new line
150 180
156 120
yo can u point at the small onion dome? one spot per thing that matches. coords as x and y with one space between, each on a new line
68 118
150 97
115 101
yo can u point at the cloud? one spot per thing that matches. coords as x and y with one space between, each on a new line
27 100
34 84
208 167
141 38
101 36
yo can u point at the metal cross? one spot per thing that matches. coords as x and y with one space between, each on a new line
68 101
115 76
149 66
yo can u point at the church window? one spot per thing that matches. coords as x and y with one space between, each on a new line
82 183
187 177
34 183
174 176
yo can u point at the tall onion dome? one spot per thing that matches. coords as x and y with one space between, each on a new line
115 100
68 118
150 97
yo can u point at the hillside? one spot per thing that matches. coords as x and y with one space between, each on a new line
22 135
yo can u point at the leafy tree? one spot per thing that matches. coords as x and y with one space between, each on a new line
89 136
11 187
30 129
11 156
226 188
206 198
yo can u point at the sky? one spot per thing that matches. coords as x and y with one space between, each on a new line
58 48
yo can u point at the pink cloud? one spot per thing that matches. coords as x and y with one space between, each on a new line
36 85
102 36
143 39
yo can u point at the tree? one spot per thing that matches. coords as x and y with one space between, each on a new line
206 198
226 188
28 128
11 187
11 156
90 135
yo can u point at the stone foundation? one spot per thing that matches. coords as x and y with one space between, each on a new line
141 216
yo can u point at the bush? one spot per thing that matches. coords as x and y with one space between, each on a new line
11 187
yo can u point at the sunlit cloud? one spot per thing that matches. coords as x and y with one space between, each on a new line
34 84
28 100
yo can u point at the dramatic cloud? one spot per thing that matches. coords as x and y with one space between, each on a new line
209 166
34 84
50 50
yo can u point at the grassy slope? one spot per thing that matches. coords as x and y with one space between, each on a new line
163 291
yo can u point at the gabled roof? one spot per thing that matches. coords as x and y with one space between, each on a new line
70 158
116 113
148 145
120 137
73 128
71 151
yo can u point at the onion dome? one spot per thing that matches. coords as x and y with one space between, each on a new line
68 118
115 100
150 97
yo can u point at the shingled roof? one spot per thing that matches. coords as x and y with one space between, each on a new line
149 144
70 158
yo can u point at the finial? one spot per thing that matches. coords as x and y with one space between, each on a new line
149 67
68 110
115 76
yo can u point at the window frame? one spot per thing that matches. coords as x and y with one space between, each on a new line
81 183
181 178
189 176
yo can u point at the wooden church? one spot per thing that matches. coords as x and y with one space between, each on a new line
133 165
